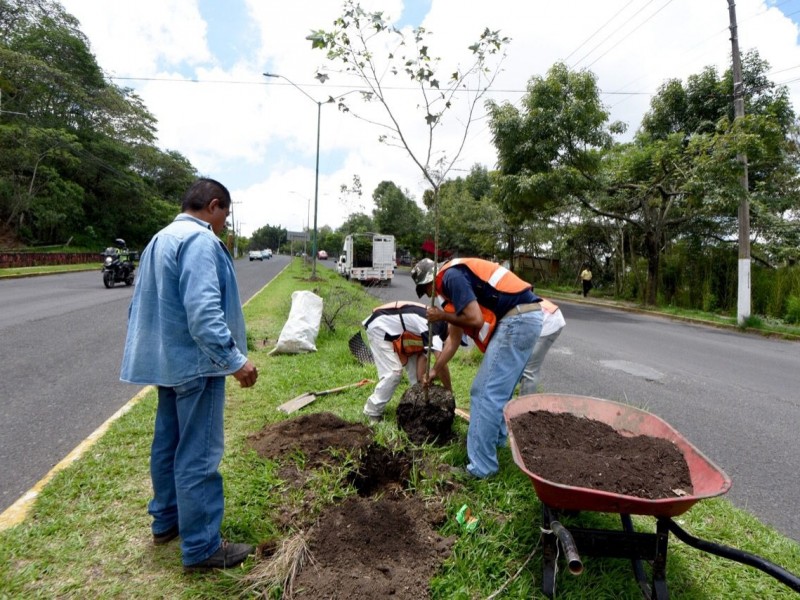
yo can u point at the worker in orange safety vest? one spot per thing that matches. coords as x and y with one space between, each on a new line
500 312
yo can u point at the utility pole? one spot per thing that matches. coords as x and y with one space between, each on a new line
233 245
743 298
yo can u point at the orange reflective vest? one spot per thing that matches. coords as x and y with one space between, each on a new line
495 275
407 343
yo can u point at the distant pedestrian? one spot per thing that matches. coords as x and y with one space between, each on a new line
552 325
186 333
586 279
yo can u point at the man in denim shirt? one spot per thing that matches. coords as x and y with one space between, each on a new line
186 333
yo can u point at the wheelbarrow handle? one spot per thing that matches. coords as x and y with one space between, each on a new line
740 556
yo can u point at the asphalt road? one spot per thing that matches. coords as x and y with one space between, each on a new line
733 395
62 340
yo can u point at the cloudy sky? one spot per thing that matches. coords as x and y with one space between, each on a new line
198 66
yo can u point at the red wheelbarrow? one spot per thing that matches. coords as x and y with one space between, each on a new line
708 481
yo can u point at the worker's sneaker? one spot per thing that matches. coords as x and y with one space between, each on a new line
227 555
166 537
374 419
464 474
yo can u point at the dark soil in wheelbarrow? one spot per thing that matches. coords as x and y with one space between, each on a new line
380 543
581 452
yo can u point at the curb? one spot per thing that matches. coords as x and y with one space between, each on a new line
628 307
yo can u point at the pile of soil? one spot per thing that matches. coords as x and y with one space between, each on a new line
581 452
318 436
364 549
380 543
426 414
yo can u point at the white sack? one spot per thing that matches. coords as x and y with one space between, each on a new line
299 333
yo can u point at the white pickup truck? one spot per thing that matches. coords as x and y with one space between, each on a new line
368 258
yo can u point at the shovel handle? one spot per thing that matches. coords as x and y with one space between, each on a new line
344 387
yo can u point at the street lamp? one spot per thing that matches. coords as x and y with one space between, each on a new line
316 171
308 213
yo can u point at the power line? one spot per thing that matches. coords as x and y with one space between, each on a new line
612 33
598 30
630 32
721 31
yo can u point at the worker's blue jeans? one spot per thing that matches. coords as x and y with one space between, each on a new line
493 386
184 458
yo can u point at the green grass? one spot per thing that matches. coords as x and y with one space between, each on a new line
48 270
88 534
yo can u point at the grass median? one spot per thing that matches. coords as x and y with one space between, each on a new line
88 534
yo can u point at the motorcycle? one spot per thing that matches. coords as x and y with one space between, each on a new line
118 265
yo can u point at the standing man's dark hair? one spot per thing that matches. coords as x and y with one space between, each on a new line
202 192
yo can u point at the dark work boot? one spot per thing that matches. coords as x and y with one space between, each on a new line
227 555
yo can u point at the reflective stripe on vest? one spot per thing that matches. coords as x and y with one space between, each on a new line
397 308
495 275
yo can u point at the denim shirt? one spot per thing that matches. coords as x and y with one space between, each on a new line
185 319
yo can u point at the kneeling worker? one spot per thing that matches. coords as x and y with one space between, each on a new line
398 337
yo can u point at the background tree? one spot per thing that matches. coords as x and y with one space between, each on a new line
550 150
268 236
395 213
366 45
77 154
677 175
357 223
331 241
469 222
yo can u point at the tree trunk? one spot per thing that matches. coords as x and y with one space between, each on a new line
653 260
511 247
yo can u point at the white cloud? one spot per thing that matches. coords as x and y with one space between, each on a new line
258 136
133 38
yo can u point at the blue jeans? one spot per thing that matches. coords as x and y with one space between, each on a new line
184 458
493 386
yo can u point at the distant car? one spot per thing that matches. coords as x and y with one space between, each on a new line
266 254
269 252
322 255
255 255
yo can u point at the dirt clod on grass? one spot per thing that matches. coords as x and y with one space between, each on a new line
426 414
318 436
582 452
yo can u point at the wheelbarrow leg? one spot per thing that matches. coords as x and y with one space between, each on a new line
658 590
549 554
636 563
660 562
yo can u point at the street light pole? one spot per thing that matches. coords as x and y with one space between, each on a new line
232 234
308 216
316 170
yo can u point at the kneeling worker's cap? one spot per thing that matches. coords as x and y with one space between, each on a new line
422 274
